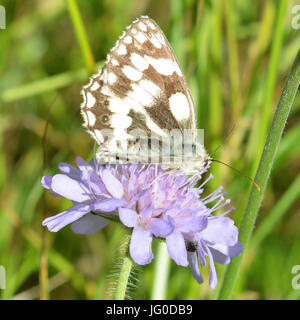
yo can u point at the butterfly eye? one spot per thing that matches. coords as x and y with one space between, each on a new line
106 102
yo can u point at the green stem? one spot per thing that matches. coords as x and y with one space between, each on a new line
161 273
126 269
262 176
81 34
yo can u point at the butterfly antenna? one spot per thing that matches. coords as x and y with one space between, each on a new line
224 140
241 173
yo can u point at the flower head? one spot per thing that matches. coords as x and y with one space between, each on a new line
154 203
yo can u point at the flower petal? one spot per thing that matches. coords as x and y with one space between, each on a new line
112 184
162 227
107 205
141 246
47 182
83 165
213 279
219 256
88 224
59 221
191 224
232 251
193 264
69 170
70 188
220 230
177 249
128 217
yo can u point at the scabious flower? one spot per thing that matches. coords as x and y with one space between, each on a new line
152 202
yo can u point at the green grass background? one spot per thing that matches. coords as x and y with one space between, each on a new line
235 56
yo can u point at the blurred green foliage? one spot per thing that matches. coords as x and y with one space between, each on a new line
235 55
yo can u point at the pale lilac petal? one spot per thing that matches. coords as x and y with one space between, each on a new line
112 184
107 205
69 188
232 251
141 246
83 165
59 221
128 217
88 224
220 230
162 227
69 170
96 184
219 256
47 182
193 264
201 253
192 224
176 248
235 250
213 279
146 213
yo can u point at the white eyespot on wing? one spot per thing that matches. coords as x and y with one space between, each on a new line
151 25
85 119
132 73
133 31
95 86
128 39
91 118
139 95
119 106
155 42
142 26
162 65
120 121
115 62
139 62
111 78
140 37
121 50
179 106
90 100
150 87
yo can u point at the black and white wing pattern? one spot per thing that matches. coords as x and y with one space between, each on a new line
141 86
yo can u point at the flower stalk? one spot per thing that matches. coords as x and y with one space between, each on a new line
262 175
126 269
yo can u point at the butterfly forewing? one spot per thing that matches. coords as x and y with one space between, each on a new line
141 86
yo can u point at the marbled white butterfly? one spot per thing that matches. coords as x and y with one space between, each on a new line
139 108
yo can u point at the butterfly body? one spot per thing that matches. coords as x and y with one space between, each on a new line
138 108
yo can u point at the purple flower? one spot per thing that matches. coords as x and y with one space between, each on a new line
144 225
218 241
153 203
90 190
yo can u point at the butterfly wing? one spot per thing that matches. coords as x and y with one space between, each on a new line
140 87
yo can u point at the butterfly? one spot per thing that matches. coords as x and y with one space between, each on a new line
138 108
